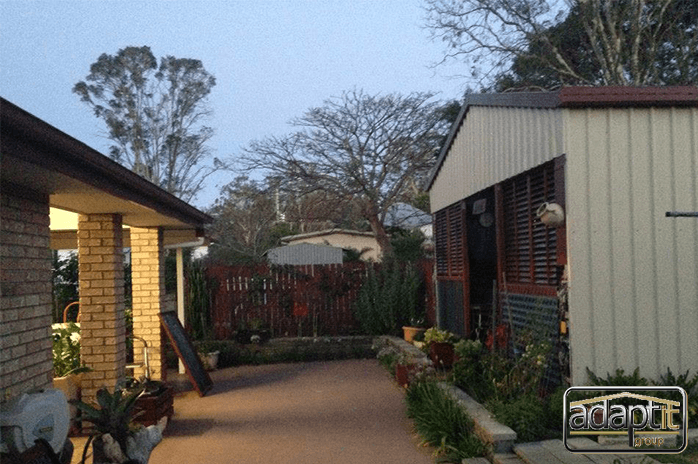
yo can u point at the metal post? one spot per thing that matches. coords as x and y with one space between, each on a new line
180 296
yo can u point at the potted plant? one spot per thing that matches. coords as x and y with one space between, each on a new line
439 344
415 330
403 361
208 354
155 402
254 331
115 438
67 370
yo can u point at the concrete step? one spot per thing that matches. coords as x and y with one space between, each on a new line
475 461
506 458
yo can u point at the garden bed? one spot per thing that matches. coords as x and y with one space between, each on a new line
497 437
279 350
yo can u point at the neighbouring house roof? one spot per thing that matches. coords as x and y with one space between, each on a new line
406 216
323 233
77 178
571 97
305 253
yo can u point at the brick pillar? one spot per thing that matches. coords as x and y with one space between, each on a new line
102 328
25 292
148 286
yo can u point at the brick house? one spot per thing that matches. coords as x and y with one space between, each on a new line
44 168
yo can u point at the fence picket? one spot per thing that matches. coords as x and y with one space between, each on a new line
273 293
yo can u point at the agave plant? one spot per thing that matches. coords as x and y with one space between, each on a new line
114 414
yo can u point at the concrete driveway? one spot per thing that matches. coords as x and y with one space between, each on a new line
321 412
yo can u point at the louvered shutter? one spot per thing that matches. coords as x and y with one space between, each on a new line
530 247
441 245
449 235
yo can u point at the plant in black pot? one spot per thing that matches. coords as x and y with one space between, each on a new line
253 331
115 438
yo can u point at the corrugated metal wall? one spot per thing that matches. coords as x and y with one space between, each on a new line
634 272
494 144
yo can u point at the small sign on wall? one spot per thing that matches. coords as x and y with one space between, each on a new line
480 206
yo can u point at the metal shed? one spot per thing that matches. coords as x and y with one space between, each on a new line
305 253
617 160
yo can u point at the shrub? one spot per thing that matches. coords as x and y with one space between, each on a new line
685 381
66 350
526 415
387 299
441 422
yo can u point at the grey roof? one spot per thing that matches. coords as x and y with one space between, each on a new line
406 216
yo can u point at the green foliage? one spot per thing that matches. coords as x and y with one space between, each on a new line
388 299
441 422
407 245
65 284
525 414
492 375
690 385
199 304
286 350
618 379
436 335
352 255
66 350
112 414
685 381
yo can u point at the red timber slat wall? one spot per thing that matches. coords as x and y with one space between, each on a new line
452 265
531 253
312 300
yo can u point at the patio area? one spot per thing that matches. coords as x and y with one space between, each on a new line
320 412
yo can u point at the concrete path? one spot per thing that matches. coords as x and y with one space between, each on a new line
322 412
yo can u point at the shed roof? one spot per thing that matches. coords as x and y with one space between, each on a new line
37 156
324 233
571 97
305 253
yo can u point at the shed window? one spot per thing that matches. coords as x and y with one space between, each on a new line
450 230
530 247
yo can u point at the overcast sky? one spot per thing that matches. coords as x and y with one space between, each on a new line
272 60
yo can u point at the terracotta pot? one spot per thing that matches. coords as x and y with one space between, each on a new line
411 332
402 375
441 354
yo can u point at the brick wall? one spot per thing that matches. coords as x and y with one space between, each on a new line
102 326
25 289
148 287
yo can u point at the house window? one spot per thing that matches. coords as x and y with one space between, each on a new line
450 236
530 247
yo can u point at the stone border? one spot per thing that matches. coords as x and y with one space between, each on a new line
498 437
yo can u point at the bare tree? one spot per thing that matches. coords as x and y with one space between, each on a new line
630 42
357 147
154 115
244 222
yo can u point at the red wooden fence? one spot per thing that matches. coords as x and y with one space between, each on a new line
293 300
